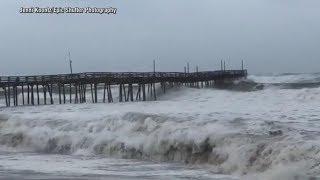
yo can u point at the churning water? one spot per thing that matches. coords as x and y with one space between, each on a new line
267 127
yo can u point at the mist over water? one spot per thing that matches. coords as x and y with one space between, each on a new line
265 127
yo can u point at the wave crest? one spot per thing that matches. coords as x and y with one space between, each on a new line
161 138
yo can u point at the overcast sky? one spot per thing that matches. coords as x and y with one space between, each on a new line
272 36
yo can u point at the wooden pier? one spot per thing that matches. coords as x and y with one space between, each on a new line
77 88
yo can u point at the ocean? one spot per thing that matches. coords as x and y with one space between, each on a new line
265 127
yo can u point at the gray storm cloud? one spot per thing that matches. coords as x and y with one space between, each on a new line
270 35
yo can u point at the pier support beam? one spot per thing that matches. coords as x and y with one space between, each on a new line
120 93
76 98
28 95
95 93
144 92
60 98
104 92
70 93
50 93
110 99
6 96
22 92
130 92
32 95
154 92
44 88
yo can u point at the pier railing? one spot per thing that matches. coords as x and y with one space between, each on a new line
6 80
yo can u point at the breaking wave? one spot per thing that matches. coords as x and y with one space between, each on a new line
164 138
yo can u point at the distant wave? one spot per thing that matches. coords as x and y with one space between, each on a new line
282 81
249 85
286 78
299 85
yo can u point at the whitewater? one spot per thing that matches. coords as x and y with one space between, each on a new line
265 127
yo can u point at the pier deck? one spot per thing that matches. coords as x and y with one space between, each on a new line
75 86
